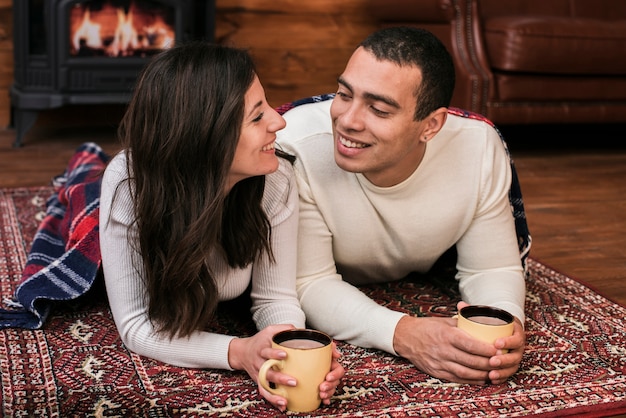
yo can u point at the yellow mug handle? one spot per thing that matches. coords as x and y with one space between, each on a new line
263 376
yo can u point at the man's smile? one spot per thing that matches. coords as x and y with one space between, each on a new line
351 144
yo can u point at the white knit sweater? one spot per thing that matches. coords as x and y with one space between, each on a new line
353 232
273 284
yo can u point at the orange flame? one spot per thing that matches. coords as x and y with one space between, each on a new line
117 32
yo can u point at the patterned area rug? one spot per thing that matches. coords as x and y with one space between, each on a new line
76 366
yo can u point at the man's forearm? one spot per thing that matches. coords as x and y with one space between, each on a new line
347 314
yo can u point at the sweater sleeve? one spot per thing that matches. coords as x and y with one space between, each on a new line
330 303
489 265
274 298
126 291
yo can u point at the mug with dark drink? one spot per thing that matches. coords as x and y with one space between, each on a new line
309 357
485 323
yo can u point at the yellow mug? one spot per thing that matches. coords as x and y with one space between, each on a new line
485 323
309 357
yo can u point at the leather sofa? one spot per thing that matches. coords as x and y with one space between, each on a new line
528 61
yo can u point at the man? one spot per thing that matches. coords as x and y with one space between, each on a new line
389 181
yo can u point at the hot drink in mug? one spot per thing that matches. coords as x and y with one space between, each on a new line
309 357
485 323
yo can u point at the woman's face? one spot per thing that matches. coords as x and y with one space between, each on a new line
255 155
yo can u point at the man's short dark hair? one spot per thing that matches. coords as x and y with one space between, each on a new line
405 45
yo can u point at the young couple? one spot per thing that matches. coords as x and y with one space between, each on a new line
201 205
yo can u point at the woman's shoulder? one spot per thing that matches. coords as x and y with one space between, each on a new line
116 179
283 176
116 169
280 188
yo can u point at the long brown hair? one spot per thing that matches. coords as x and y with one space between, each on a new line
181 129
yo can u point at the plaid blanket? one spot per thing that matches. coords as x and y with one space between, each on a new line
64 259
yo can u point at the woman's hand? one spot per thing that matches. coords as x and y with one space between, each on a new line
250 353
333 378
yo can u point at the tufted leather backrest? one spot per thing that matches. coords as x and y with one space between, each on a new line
562 37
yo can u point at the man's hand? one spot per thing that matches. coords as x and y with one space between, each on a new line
505 365
437 347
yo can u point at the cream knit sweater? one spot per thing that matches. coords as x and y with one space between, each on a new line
353 232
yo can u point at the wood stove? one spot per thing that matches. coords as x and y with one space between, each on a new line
90 51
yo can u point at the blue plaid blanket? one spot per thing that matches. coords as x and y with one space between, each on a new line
64 259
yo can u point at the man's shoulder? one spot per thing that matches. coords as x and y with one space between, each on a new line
467 121
471 131
305 121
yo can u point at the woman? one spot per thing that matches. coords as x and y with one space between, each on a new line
197 208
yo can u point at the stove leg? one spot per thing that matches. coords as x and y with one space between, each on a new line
24 120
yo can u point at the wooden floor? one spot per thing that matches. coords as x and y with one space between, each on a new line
575 195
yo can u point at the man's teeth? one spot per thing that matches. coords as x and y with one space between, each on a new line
268 147
350 144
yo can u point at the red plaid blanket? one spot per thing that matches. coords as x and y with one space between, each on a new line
64 259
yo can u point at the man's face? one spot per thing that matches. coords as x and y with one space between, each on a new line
372 115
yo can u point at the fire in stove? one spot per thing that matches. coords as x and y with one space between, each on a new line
120 29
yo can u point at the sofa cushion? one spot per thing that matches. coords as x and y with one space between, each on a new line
556 45
518 87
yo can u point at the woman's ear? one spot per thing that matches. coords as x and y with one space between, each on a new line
434 122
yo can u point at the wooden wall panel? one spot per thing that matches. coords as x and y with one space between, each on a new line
300 47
